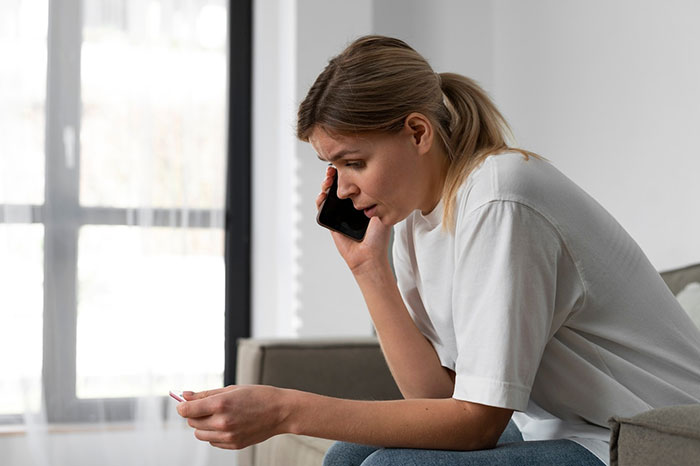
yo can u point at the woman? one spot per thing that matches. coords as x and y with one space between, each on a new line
516 295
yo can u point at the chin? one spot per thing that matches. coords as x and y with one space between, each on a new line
389 221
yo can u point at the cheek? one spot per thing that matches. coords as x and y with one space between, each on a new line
398 188
390 185
385 191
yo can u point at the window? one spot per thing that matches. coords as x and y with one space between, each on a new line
112 193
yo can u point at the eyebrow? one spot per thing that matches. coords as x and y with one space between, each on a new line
339 155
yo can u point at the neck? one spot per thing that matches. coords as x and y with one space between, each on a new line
437 168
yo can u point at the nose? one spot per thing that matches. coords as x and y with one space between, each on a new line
346 188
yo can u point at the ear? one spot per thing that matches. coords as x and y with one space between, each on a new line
420 129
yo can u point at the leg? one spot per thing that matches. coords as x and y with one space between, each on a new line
347 454
510 434
542 453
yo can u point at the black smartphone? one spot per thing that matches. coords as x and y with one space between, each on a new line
341 216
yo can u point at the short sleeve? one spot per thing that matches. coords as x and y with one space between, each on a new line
503 302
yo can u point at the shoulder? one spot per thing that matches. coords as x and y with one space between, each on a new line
511 194
508 177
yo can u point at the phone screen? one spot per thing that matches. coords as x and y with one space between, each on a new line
341 216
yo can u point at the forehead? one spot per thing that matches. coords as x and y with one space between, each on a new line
327 144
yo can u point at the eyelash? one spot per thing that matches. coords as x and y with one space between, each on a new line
351 165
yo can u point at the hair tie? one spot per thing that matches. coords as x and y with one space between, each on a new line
450 109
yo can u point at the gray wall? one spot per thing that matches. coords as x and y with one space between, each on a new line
605 90
609 92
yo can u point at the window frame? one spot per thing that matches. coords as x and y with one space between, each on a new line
63 216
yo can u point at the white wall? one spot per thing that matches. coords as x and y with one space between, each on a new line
301 286
453 35
274 165
330 301
609 92
606 90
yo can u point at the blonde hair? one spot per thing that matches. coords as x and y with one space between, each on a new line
377 81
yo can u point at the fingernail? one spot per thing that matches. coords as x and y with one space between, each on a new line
188 393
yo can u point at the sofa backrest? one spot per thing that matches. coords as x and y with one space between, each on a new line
677 279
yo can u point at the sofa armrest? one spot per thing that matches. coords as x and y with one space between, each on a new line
352 368
677 279
346 368
668 436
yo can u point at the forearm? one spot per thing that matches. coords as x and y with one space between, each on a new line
410 356
446 424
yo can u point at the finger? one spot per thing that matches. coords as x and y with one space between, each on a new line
196 408
319 200
189 396
212 436
330 174
326 183
225 446
201 423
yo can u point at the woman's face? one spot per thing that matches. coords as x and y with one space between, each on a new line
383 174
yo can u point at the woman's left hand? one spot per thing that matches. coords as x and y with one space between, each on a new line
235 417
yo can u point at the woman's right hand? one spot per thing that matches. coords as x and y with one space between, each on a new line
372 251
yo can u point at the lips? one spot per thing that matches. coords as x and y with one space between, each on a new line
370 211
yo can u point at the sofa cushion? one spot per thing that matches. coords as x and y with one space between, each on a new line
668 436
292 450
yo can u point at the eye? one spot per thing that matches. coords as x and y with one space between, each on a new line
355 164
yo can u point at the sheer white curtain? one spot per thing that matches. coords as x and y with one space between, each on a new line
111 227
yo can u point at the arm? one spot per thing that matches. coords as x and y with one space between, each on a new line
237 416
412 359
445 424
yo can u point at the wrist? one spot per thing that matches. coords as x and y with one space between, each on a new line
291 401
372 269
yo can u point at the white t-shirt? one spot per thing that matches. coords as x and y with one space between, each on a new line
542 303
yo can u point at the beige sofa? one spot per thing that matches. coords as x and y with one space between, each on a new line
355 368
348 368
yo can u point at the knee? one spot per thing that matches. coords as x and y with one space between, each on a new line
347 454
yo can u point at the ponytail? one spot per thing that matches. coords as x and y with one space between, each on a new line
476 130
